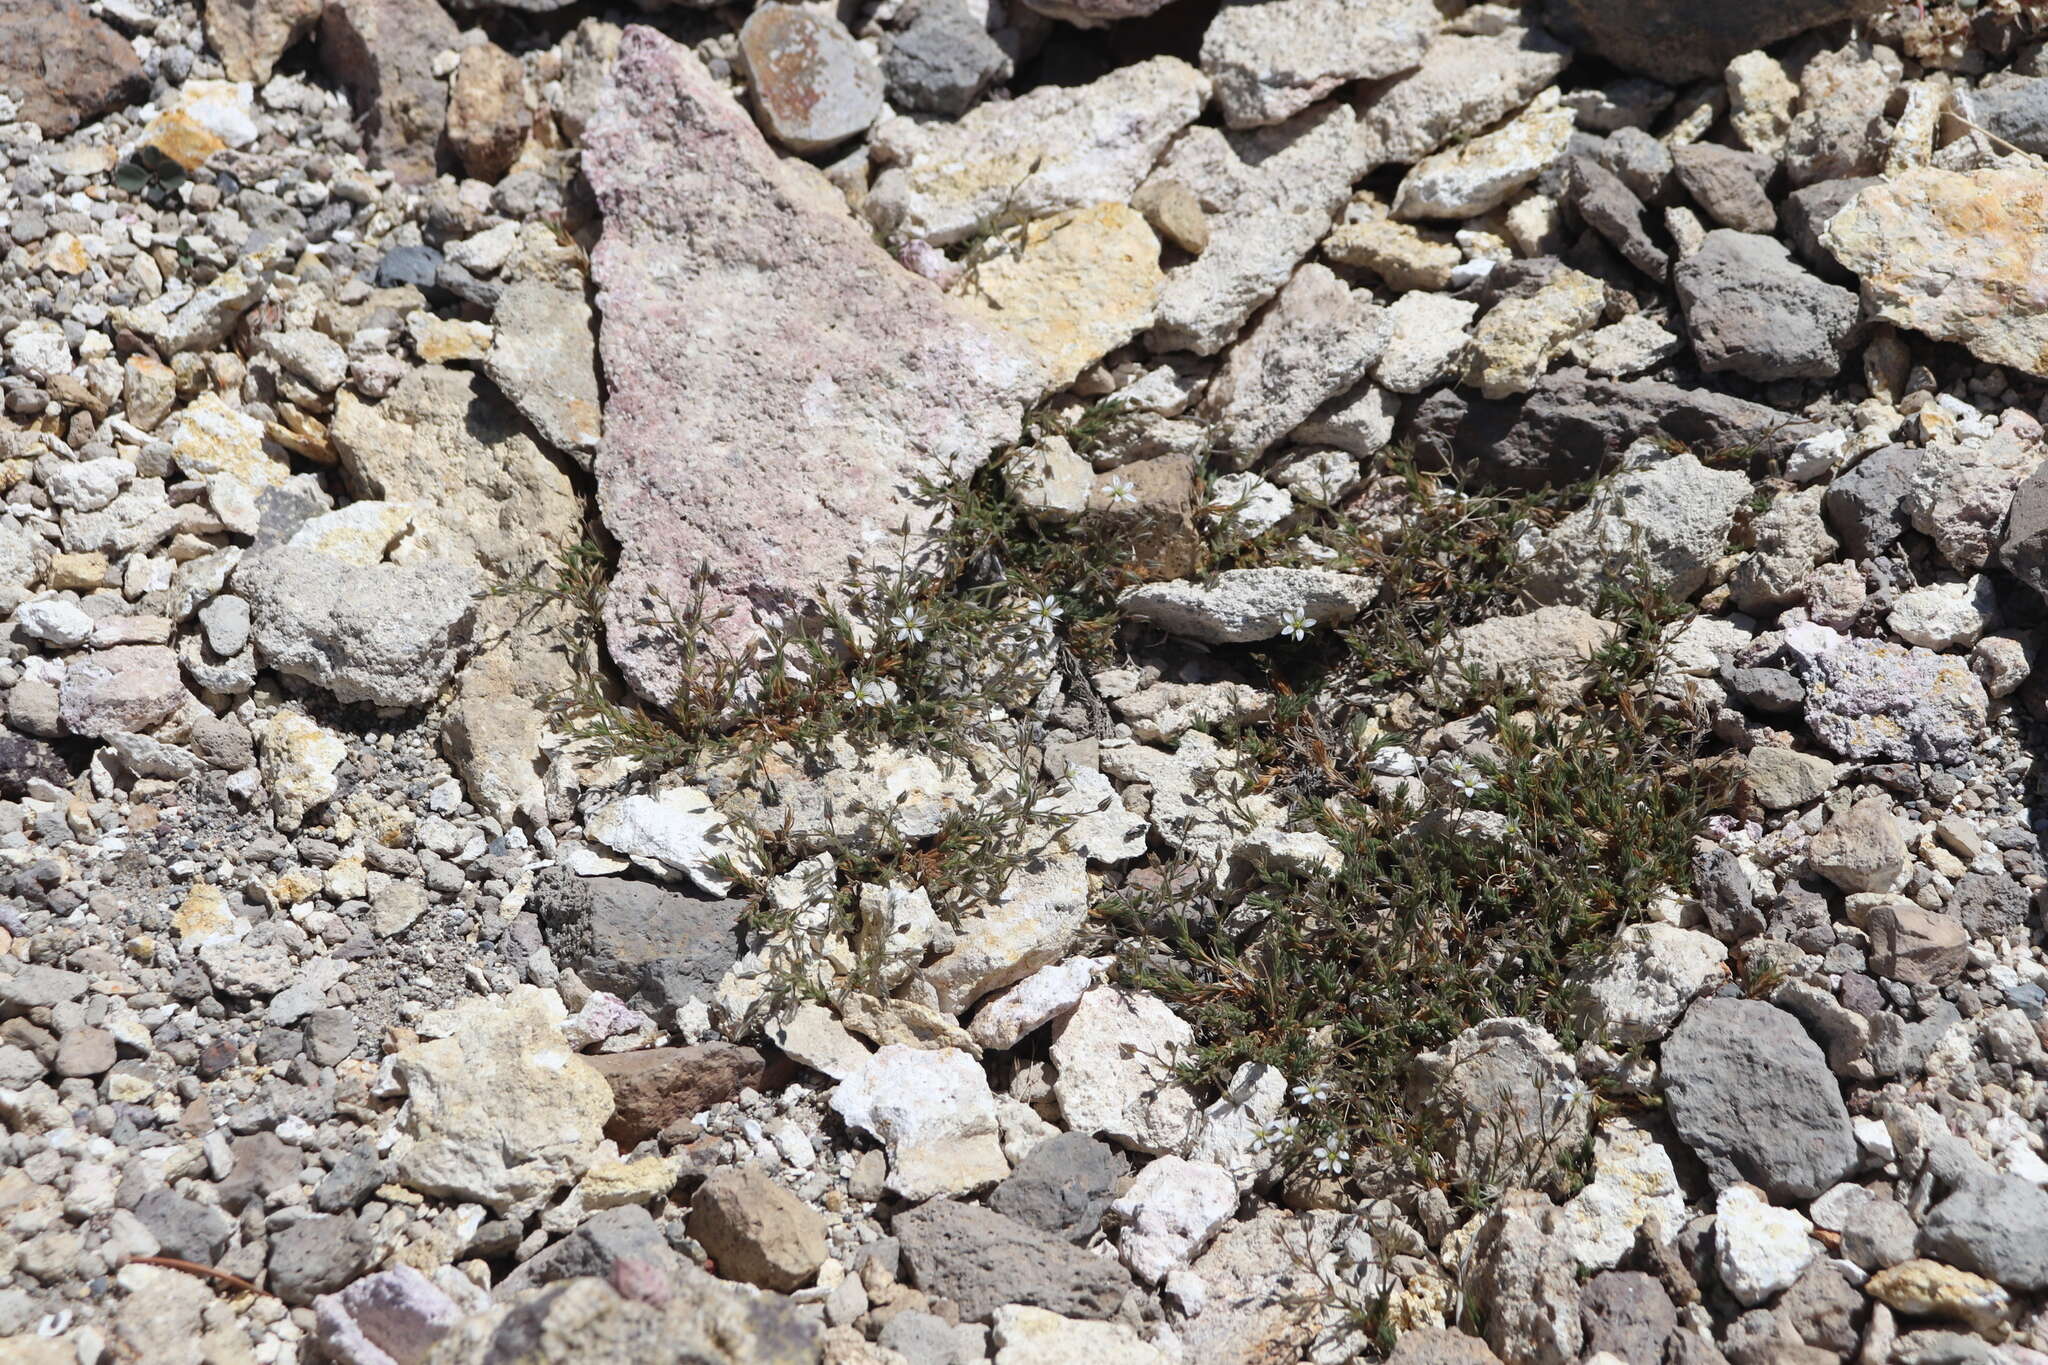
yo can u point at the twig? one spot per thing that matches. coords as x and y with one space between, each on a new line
194 1268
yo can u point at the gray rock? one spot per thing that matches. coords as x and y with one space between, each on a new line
940 59
1643 163
1570 427
641 942
748 318
261 1165
387 634
184 1228
1749 309
1674 40
1662 525
1271 59
1878 1233
1063 1186
1614 211
1728 184
692 1317
226 622
1994 1226
1805 211
930 1340
1465 84
1874 700
1319 337
318 1255
2011 107
383 52
330 1036
1822 1309
24 760
1627 1313
543 357
1243 606
2024 553
811 84
84 1052
1504 1104
1867 505
1991 905
595 1249
354 1177
123 689
983 1260
1726 895
1751 1095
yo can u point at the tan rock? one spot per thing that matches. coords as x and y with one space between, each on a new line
1175 213
1072 287
181 138
1515 343
756 1231
1929 1289
488 116
250 35
298 757
1956 255
1405 257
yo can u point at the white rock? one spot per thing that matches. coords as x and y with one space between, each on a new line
1633 1179
85 485
1481 175
1945 615
1637 343
1229 1134
1637 992
1044 995
1115 1055
1359 423
55 622
897 927
1319 478
812 1035
1272 60
1166 711
1031 922
1758 1250
1098 826
1429 341
677 834
298 757
934 1115
498 1110
1247 506
1170 1212
1243 606
1664 524
1035 1336
1186 785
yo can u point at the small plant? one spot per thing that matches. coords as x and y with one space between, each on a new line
150 173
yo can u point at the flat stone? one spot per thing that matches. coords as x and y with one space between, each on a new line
756 1231
64 67
1633 1181
1317 340
1949 254
1170 1212
940 58
1404 256
877 381
1915 946
1466 84
1517 339
1636 992
1246 605
543 357
812 85
1758 1250
1054 148
1663 525
1033 920
1870 699
1751 310
1862 849
1992 1225
1115 1055
1064 1186
1483 173
1547 648
1033 1336
1428 342
933 1114
398 1313
1271 60
1505 1103
1674 41
124 689
1728 184
656 1087
383 52
983 1261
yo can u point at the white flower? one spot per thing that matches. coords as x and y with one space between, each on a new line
1465 778
873 692
906 627
1311 1093
1043 613
1121 492
1277 1134
1297 625
1328 1158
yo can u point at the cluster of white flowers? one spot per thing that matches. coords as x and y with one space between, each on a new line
1327 1157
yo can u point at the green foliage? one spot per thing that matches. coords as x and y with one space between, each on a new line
151 174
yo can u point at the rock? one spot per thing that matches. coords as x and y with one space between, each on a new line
755 1231
1174 213
1269 195
1633 1180
1758 1250
1752 1096
1115 1055
1626 1314
1840 130
1991 1225
183 1227
1521 1266
668 155
1043 996
812 85
1546 649
1032 1336
1929 1289
386 634
1872 700
1728 184
1877 1234
1504 1102
499 1111
1090 144
1072 287
1063 1186
1676 42
654 1088
495 743
54 622
313 356
1359 423
1440 1346
24 760
933 1114
1246 605
1790 539
488 117
584 1321
1428 342
1915 946
983 1261
1749 309
1485 172
643 943
1318 339
1030 922
1867 505
214 441
1570 427
24 559
126 688
1638 991
399 1313
1269 61
678 834
317 1256
1805 213
1661 525
250 35
1974 233
940 59
1863 849
1962 497
1169 1214
383 52
298 758
1403 256
1465 85
2014 109
1518 338
63 67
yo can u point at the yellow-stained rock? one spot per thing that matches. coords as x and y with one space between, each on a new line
1929 1289
439 340
204 917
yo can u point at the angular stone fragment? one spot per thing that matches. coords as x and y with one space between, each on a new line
250 35
1241 606
1870 699
982 1261
1115 1055
1466 84
1318 339
1546 649
1955 255
1516 341
383 51
940 58
1480 175
64 67
1663 525
801 453
488 118
1750 309
933 1114
1674 40
1503 1103
756 1231
1271 59
1055 148
811 83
